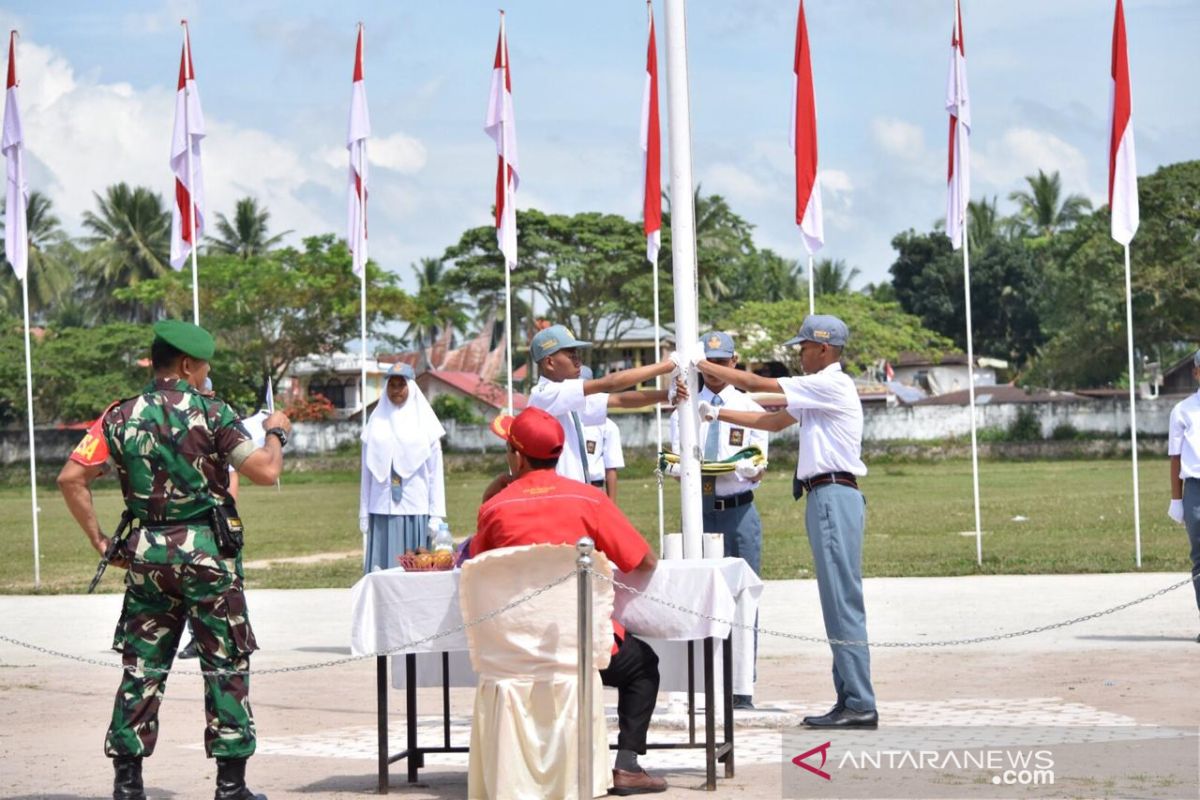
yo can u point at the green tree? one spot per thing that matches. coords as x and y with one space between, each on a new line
724 251
833 276
435 307
130 242
51 257
1042 211
878 331
246 236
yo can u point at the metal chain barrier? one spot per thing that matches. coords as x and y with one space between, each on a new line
337 662
855 642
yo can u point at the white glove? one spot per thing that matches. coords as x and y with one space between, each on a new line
708 412
1175 511
695 353
672 471
679 360
363 523
747 470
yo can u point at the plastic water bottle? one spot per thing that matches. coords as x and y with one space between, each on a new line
442 540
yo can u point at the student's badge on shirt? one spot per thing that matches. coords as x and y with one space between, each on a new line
591 447
736 436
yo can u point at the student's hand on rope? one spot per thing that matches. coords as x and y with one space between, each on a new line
1175 511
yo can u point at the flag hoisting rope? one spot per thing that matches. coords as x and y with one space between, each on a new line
1123 204
958 193
187 213
16 249
803 140
651 139
501 125
358 129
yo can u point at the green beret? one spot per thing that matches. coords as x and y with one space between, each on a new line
189 339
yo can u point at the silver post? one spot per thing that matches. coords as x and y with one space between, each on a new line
583 564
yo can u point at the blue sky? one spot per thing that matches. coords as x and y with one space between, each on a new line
98 82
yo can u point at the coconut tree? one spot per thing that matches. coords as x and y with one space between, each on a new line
832 276
246 235
437 308
50 257
130 238
1043 211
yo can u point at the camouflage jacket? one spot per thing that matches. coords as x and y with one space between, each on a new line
172 448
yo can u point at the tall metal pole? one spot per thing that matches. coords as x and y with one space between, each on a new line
37 567
361 234
187 133
583 563
971 384
658 429
812 291
508 326
1137 515
683 257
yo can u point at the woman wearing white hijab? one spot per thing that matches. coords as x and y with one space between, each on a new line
402 485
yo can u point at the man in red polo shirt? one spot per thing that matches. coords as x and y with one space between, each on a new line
540 506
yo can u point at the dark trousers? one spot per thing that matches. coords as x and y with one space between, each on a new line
633 672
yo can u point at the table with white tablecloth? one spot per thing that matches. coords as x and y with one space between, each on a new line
415 616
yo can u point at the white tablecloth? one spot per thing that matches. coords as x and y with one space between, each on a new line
392 608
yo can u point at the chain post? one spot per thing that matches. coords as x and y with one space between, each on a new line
584 547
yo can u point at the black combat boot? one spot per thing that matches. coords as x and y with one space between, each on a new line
231 781
127 778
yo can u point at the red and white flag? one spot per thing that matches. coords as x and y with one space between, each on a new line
958 177
16 236
186 228
803 140
501 125
1122 167
651 151
357 131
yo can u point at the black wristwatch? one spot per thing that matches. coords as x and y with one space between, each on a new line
280 434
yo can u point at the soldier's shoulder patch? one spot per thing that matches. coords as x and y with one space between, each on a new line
737 436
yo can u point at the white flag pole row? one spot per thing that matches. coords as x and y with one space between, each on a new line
651 141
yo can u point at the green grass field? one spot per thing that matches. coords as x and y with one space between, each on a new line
1078 518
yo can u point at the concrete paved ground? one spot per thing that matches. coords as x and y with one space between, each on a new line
317 729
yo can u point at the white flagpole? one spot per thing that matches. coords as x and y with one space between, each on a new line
683 257
812 292
971 384
1137 516
658 410
508 326
187 132
362 286
37 567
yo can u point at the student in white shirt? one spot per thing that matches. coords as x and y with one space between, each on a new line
825 403
1183 446
576 402
402 487
603 447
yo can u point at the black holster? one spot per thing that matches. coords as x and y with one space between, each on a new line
227 530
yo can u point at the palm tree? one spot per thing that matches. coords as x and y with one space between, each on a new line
49 269
131 242
833 276
437 308
984 223
1043 210
246 236
723 240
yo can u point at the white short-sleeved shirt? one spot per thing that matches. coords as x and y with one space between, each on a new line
561 400
604 452
831 422
730 439
423 492
1183 436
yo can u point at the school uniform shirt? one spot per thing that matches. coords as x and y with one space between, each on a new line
831 422
566 402
1183 436
603 445
423 492
730 438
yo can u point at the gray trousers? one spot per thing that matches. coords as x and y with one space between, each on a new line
1191 520
835 519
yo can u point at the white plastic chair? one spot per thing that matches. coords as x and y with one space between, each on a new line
524 730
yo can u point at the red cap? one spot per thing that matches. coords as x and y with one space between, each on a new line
533 432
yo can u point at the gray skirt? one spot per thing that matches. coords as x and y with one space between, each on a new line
388 536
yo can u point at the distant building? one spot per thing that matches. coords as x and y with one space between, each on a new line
950 374
487 398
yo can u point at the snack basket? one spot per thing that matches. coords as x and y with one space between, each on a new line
424 562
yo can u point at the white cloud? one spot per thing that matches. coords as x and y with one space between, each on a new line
398 152
735 184
836 182
1023 151
899 138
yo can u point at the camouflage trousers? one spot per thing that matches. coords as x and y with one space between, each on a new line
158 599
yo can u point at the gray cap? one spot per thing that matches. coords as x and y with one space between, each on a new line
823 329
549 341
401 370
717 344
585 372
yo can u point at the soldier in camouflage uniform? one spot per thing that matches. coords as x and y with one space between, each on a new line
172 448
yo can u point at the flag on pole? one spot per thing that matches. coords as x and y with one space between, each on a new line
357 132
189 188
651 153
1122 167
803 140
958 177
16 237
501 125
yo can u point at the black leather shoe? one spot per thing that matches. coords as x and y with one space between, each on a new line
190 650
231 781
743 702
127 778
845 718
837 709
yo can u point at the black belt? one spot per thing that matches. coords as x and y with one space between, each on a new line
802 485
157 524
733 501
598 484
